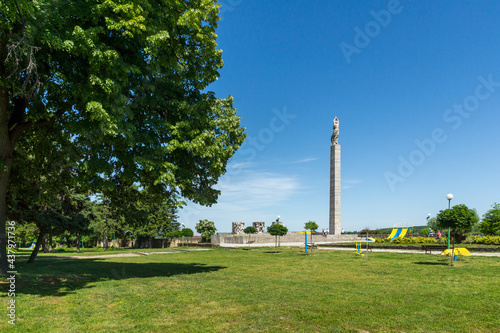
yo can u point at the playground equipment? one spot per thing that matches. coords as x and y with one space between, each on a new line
358 249
32 246
400 231
455 252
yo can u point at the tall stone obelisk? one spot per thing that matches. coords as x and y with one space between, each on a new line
334 224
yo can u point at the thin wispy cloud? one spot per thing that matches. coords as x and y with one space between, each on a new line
305 160
250 193
349 183
257 189
240 165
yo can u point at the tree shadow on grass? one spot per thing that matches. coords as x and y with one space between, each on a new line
62 277
432 263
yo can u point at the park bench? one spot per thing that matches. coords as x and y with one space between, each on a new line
429 248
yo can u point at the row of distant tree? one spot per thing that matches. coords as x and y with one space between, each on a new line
77 220
461 219
75 215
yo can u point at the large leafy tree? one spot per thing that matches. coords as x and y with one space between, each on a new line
81 211
490 224
124 82
459 218
38 197
107 222
149 219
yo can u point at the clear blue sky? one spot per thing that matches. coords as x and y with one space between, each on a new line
415 85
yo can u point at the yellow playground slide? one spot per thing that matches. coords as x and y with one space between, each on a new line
397 233
393 233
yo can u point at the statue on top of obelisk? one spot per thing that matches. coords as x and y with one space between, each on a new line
335 188
335 135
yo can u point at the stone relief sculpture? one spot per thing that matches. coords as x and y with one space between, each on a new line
260 227
335 135
238 227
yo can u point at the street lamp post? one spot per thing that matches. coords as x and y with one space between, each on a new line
427 218
183 226
279 237
449 197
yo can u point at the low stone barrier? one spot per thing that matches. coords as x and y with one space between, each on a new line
291 237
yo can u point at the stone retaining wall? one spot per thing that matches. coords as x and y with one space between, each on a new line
291 237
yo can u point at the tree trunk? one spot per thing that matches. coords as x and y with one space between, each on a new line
6 151
77 243
105 242
312 244
68 242
50 241
37 247
150 242
45 243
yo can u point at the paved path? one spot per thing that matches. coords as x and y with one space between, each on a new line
333 248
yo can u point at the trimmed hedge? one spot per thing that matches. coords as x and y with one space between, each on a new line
487 240
413 240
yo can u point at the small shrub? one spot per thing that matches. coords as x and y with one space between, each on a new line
413 240
186 232
442 240
469 240
487 240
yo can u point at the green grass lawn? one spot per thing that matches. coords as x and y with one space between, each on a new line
241 290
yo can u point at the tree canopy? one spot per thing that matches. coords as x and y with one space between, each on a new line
459 218
277 230
311 225
490 224
121 85
250 230
206 229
